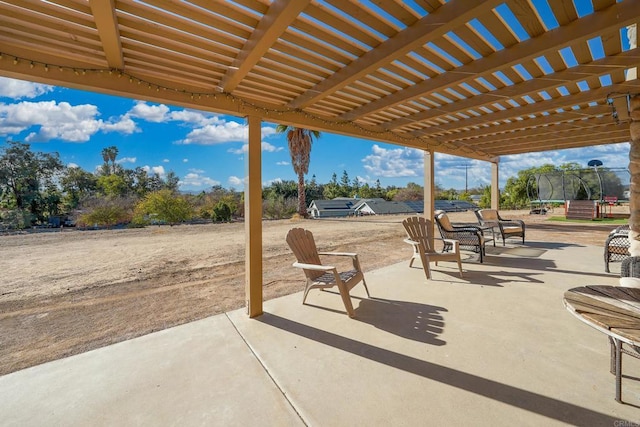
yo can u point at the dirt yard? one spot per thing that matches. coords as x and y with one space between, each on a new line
67 292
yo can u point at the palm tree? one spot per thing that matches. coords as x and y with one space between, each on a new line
110 154
300 141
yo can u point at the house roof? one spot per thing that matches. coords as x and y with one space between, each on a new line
332 204
474 78
384 207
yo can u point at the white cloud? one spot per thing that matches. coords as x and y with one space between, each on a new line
398 162
124 125
195 117
216 134
150 113
73 165
271 181
57 121
161 113
283 163
185 160
18 89
265 147
165 160
235 181
155 170
126 160
222 132
198 171
197 181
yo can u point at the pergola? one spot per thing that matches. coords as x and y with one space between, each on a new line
473 78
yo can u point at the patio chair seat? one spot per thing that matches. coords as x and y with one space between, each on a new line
420 235
504 227
322 276
469 236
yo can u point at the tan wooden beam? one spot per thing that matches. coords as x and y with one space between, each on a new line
566 102
104 14
429 28
628 59
574 116
269 29
104 81
616 16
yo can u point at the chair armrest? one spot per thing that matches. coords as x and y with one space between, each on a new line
350 254
313 266
411 242
450 241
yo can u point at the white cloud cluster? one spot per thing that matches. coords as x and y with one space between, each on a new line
207 129
394 163
220 133
155 170
18 89
265 147
197 180
235 181
72 123
126 160
150 113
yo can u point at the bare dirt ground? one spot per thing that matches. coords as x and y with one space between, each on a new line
67 292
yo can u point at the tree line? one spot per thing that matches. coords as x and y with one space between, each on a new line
36 188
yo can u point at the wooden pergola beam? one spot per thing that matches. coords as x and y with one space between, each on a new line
429 28
272 25
614 17
104 15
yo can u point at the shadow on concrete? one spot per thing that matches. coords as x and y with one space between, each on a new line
534 402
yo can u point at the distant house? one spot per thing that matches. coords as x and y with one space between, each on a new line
337 207
344 206
385 207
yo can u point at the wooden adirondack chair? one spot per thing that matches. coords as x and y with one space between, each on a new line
320 276
419 231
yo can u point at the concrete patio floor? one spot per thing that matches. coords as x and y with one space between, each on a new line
496 347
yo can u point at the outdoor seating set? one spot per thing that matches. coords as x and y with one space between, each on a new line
419 235
613 310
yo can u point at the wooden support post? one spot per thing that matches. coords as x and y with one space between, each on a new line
253 219
495 186
429 187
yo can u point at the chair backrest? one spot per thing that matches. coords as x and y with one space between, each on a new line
443 220
304 248
488 214
419 229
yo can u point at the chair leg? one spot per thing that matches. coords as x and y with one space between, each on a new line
307 288
425 265
618 345
459 265
364 282
346 299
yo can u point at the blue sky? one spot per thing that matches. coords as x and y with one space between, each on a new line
206 149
